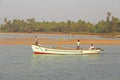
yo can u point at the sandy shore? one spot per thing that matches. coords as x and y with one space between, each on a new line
29 41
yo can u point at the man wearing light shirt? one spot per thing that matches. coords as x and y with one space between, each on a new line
78 44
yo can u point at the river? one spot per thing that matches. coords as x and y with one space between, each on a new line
17 62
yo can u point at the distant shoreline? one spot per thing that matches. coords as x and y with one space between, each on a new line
30 41
42 33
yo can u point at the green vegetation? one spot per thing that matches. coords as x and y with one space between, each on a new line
111 25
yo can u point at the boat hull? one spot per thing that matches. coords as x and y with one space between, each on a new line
43 50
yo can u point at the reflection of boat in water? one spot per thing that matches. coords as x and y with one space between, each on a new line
43 50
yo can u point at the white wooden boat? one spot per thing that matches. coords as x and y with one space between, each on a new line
43 50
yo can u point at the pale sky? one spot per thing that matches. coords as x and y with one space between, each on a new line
59 10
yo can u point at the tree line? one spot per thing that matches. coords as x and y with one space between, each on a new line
110 25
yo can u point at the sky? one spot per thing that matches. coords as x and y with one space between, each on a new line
59 10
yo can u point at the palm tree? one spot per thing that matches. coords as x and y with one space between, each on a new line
108 16
108 29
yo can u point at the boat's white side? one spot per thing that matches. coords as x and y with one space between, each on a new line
43 50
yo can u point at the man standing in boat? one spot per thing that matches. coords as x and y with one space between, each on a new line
36 40
78 44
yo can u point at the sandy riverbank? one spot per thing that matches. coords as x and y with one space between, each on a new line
29 41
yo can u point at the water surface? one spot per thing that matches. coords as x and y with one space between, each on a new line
17 62
54 36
